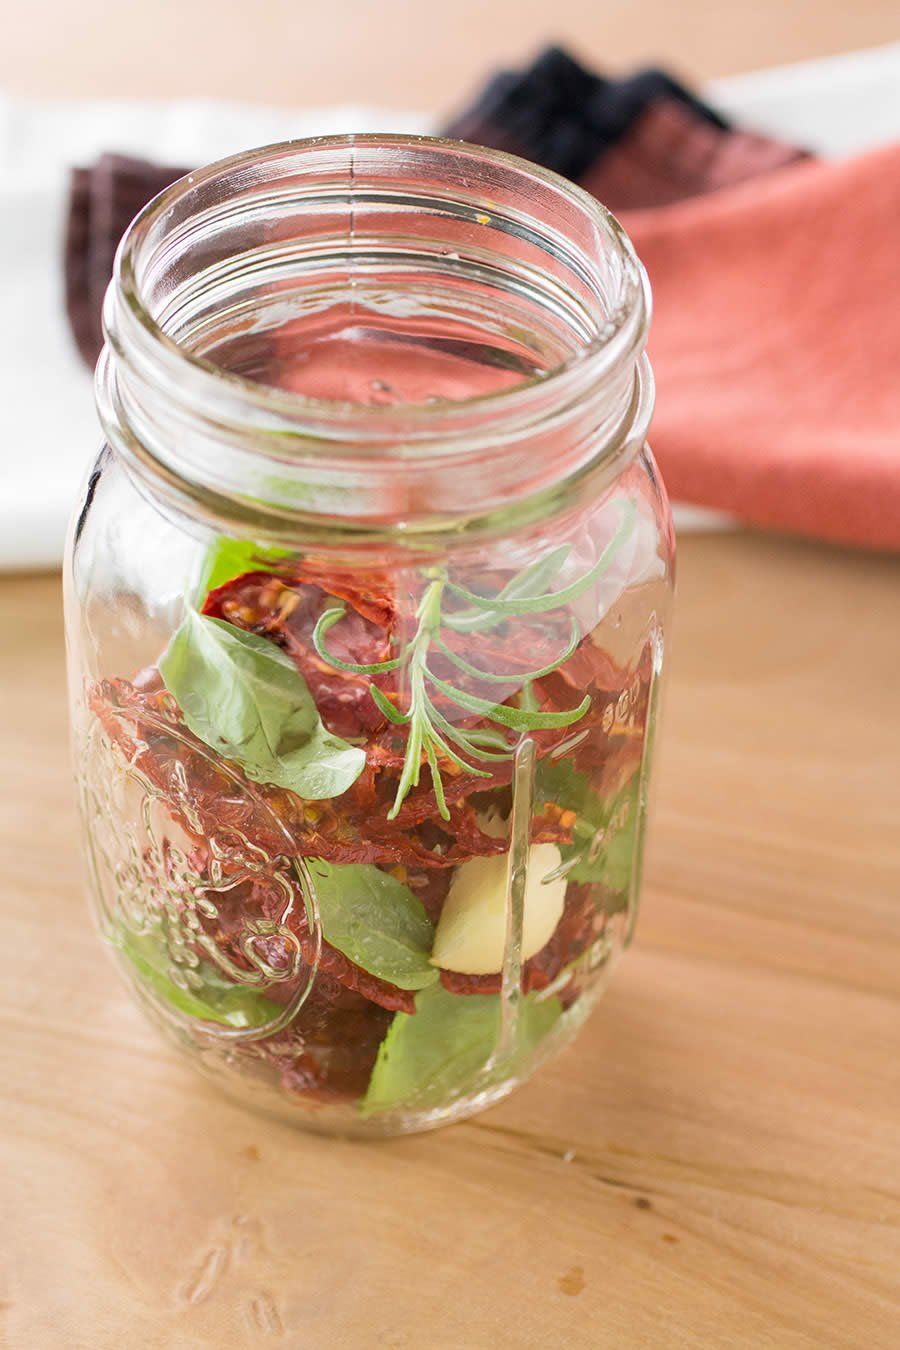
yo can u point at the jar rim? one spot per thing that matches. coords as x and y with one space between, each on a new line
236 448
622 334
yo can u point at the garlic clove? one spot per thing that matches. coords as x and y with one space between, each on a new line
471 932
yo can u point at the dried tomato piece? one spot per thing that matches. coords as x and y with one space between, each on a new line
147 729
286 610
370 593
285 606
328 1053
264 899
430 885
203 801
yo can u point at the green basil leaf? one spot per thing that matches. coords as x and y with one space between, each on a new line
609 861
213 999
227 558
374 919
246 700
617 859
438 1053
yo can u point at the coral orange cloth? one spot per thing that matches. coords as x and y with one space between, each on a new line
776 347
776 334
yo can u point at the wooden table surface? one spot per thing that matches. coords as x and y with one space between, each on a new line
716 1162
402 53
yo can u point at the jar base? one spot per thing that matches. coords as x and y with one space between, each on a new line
344 1120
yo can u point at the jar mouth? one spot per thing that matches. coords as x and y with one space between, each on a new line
622 330
357 203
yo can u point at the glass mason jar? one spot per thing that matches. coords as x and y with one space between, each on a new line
366 604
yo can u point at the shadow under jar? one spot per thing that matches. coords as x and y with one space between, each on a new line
366 604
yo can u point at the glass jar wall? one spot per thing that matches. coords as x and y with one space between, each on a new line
366 605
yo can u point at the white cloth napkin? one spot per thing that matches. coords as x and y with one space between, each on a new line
48 429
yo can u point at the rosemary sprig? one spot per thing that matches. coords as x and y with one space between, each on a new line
520 595
510 677
431 736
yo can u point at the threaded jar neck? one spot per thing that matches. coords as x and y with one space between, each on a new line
373 332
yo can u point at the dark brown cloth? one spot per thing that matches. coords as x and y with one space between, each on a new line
103 201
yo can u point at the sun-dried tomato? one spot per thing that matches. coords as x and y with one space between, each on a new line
328 1052
286 610
206 797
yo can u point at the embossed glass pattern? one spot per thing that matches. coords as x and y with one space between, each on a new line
366 607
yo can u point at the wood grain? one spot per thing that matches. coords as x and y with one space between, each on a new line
715 1163
401 53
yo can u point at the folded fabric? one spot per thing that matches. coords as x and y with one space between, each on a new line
776 348
49 432
103 200
776 332
642 141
